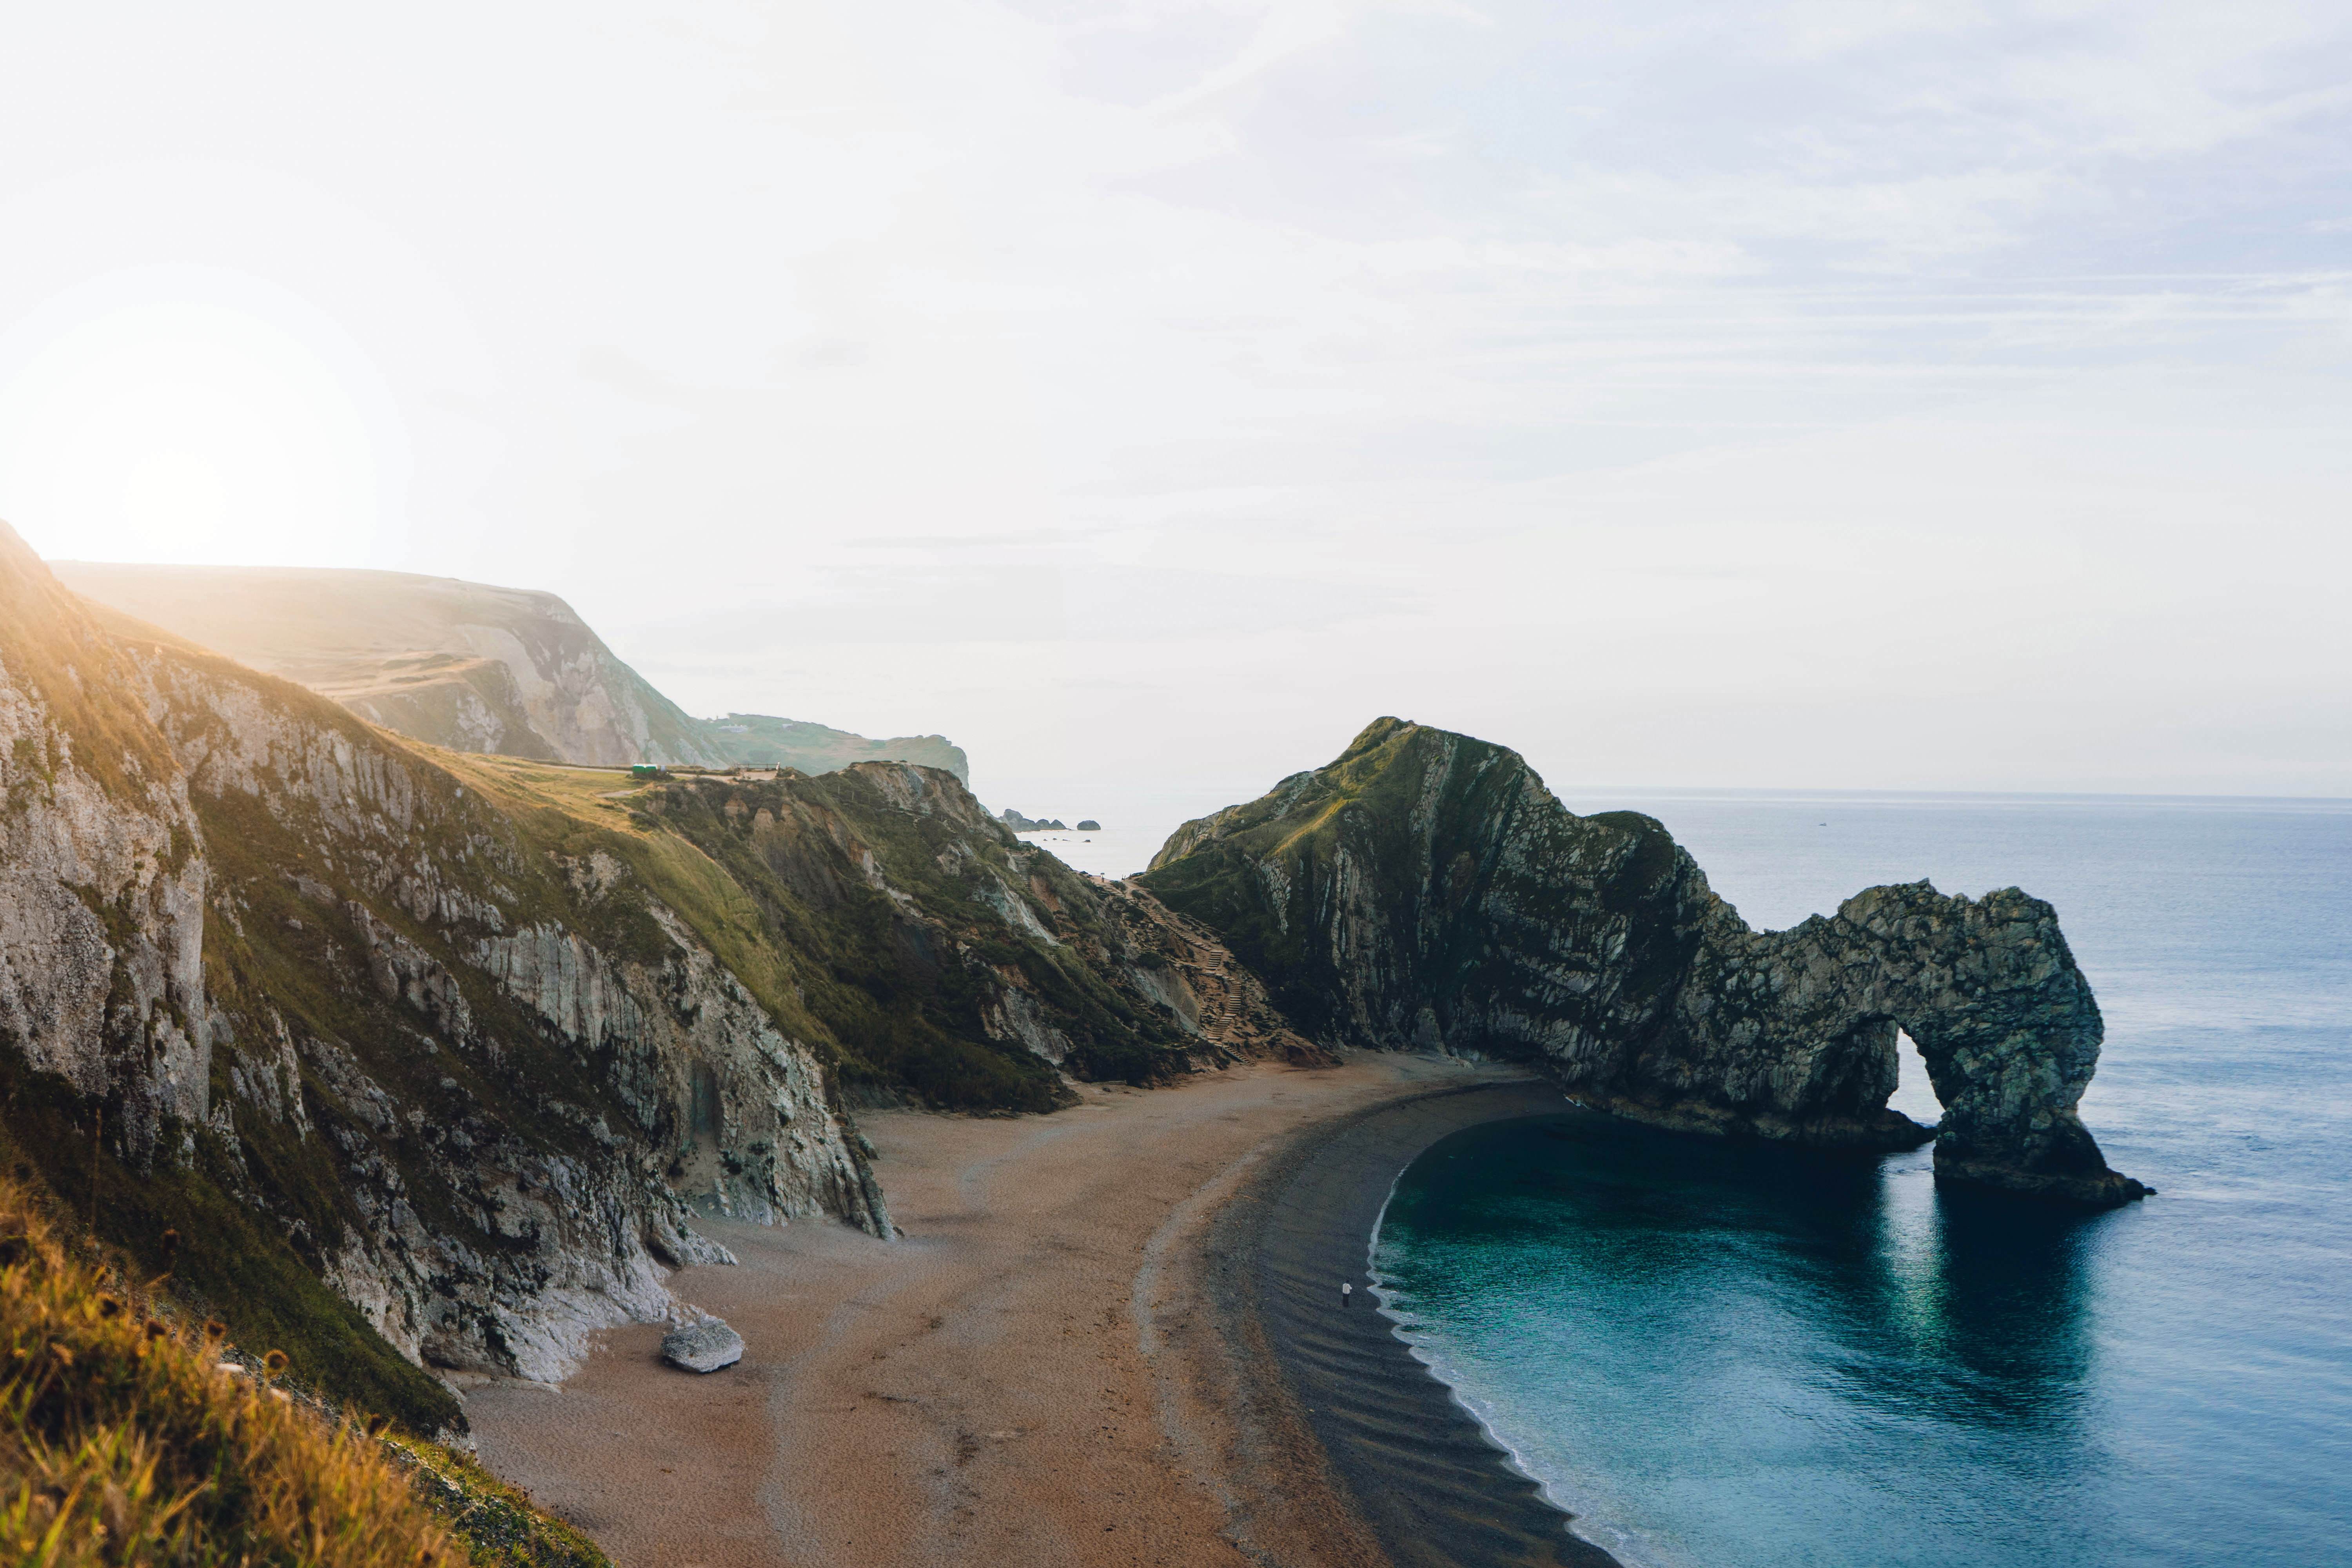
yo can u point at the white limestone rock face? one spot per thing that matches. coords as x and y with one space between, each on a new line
103 887
462 1112
568 1244
758 1139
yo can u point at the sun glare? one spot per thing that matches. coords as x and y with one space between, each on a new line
160 424
175 492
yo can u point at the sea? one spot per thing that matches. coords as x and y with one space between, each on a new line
1118 850
1723 1356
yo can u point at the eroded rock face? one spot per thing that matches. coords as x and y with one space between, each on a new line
569 1230
471 1043
473 1080
102 883
1180 964
1426 891
957 962
1986 988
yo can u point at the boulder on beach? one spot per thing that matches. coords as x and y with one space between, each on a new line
706 1346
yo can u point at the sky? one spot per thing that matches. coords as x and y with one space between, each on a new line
1147 394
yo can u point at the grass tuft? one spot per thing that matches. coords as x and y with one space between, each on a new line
124 1441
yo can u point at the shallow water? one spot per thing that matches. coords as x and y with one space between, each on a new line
1732 1356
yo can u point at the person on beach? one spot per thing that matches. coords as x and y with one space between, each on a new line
1347 1293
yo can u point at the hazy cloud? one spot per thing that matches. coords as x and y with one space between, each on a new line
1814 392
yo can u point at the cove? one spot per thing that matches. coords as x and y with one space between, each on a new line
1743 1354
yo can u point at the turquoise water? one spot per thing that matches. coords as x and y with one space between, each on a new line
1728 1356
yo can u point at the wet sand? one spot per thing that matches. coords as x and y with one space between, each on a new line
1080 1353
1432 1489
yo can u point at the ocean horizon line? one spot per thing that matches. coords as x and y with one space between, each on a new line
1798 795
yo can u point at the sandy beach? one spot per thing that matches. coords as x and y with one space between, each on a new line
1062 1362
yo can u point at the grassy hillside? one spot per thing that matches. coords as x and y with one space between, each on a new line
867 911
459 664
124 1440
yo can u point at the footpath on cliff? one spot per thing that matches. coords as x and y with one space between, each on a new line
1030 1374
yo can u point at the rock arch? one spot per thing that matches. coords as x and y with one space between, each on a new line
1425 889
1987 988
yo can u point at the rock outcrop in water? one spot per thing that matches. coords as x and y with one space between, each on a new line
1426 891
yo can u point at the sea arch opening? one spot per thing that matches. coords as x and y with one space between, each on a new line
1915 1093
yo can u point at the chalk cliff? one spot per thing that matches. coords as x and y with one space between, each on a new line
1425 889
433 1059
462 664
467 666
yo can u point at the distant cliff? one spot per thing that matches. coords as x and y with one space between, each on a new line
1425 889
433 1060
466 666
758 740
461 665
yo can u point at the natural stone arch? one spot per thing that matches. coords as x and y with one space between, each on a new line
1986 988
1426 890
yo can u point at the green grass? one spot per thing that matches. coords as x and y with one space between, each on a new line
230 1265
498 1522
122 1442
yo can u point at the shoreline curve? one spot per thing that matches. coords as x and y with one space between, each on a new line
1336 1389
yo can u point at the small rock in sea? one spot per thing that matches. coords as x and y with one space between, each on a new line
1089 826
706 1346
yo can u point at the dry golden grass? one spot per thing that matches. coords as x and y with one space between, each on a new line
123 1442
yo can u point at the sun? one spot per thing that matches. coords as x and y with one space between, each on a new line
177 415
175 492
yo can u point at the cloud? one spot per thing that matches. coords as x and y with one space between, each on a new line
1288 28
930 367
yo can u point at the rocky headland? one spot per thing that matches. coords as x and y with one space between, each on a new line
438 1060
764 740
467 666
1426 891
